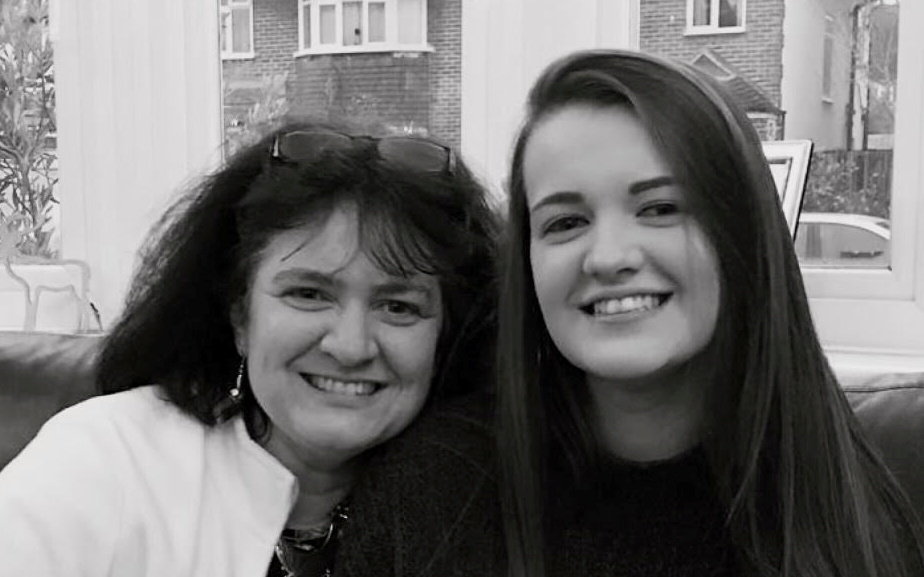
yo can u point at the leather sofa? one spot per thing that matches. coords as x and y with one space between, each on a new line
41 374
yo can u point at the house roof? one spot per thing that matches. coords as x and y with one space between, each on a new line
747 94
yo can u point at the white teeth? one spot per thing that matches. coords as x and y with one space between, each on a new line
328 385
626 305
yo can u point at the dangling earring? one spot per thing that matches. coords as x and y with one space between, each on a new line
235 394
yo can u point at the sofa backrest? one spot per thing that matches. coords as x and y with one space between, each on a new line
891 410
42 373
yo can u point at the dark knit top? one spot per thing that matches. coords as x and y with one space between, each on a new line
428 506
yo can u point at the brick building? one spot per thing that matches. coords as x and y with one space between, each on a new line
392 64
739 41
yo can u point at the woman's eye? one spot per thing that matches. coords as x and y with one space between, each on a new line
305 297
563 224
660 210
401 312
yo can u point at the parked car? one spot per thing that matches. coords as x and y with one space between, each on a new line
843 240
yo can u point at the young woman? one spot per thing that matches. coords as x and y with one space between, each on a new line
291 314
664 407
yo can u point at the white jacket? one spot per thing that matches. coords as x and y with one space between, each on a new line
128 485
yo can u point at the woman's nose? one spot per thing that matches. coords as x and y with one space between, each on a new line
348 339
613 252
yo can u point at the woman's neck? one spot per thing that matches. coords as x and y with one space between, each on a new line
325 478
318 493
648 421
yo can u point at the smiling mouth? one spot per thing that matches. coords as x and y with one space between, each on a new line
338 387
626 305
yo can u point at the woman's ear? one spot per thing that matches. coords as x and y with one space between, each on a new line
238 318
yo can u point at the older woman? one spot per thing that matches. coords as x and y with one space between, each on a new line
295 311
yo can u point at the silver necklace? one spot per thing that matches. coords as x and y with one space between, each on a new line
310 552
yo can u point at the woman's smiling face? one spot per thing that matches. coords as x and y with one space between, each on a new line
627 282
340 354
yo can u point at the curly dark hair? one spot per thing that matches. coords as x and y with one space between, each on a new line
199 260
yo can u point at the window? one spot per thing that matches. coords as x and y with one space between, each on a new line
869 316
827 59
859 240
332 26
715 16
236 28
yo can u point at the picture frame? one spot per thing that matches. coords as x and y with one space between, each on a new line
789 163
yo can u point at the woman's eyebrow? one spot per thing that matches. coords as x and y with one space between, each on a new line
650 183
397 287
563 197
301 275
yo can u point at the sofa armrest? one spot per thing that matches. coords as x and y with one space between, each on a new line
40 374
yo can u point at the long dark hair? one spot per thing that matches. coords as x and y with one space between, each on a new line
198 263
804 491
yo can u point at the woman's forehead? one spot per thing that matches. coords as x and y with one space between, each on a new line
334 240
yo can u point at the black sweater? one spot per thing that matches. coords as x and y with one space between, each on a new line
428 506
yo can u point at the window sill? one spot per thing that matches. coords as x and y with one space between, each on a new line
239 56
713 30
365 49
856 366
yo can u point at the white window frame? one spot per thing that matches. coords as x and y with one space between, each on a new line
230 8
870 319
713 26
390 44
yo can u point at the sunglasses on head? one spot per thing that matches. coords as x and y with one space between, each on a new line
410 152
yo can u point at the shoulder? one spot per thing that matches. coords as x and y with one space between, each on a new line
107 430
132 411
457 433
427 504
71 484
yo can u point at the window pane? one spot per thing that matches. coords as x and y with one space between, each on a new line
851 121
352 23
306 25
822 71
837 240
30 220
28 142
410 23
729 13
701 11
241 29
328 24
377 22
